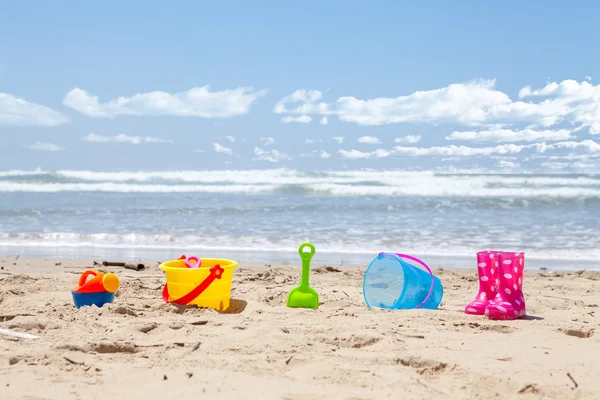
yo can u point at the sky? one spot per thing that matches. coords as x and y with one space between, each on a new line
310 85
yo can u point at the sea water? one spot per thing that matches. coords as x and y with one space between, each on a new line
264 215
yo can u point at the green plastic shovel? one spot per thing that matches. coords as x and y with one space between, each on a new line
304 296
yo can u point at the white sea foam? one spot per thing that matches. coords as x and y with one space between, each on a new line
439 188
170 244
18 172
332 183
130 188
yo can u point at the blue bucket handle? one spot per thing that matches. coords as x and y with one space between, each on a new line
415 259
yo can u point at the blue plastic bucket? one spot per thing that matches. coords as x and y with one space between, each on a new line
392 282
88 299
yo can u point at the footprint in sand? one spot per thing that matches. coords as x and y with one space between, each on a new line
353 341
113 347
493 328
424 366
581 333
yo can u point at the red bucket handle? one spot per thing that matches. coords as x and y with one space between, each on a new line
216 272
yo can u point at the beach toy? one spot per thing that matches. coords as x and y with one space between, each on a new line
304 296
98 290
193 262
392 282
208 285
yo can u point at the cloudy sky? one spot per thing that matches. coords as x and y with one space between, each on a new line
307 85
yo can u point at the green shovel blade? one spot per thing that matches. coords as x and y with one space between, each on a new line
304 296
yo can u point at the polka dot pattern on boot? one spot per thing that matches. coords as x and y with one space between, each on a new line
509 302
489 269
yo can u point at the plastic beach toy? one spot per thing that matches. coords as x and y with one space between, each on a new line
392 282
304 296
208 285
193 262
98 290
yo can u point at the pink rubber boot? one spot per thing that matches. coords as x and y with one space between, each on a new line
488 287
509 302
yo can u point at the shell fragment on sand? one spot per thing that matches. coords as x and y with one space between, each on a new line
17 334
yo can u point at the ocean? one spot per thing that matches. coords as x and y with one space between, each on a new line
264 215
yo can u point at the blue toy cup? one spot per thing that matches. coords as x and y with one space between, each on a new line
88 299
392 282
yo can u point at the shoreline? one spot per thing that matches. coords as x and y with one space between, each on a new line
283 257
262 348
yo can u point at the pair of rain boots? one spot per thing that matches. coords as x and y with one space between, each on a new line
500 286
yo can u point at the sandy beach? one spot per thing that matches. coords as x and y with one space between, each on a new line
141 348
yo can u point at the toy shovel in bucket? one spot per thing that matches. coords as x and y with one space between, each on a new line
304 296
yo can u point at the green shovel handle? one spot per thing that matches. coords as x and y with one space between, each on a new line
306 257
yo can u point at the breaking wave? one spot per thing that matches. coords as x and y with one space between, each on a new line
330 183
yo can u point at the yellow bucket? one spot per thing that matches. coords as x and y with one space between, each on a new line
181 281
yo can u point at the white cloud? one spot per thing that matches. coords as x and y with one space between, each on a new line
568 100
476 103
42 146
92 137
324 155
588 145
567 157
195 102
353 154
408 139
303 119
506 164
310 141
558 166
457 151
324 121
460 102
358 155
588 78
17 111
305 98
273 156
230 138
222 149
466 151
339 139
508 135
267 141
369 140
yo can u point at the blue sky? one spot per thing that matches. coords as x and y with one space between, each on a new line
430 84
